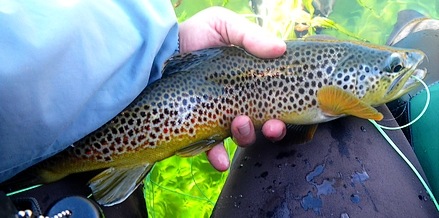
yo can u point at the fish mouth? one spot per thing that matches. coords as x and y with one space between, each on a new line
412 82
409 81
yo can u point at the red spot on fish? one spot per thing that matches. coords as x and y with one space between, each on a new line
88 151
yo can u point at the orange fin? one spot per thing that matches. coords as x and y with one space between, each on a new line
299 134
335 101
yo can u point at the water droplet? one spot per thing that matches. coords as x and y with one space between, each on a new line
355 198
422 198
318 170
310 202
326 187
344 215
363 129
359 177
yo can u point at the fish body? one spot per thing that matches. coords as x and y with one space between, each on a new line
191 108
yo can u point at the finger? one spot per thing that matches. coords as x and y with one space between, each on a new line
217 26
218 157
237 30
243 131
254 39
274 130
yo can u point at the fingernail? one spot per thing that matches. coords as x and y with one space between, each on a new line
244 130
277 136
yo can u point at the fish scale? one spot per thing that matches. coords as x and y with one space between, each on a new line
191 108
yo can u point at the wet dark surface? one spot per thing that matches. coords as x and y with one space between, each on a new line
52 197
347 170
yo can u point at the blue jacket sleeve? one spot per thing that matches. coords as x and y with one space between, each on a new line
67 67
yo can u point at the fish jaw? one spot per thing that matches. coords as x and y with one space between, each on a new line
405 81
411 82
394 77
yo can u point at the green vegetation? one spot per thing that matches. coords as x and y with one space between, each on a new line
189 187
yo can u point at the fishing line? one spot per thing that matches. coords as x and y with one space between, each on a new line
381 128
196 184
23 190
427 103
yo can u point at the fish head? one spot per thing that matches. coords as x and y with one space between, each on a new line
397 73
381 73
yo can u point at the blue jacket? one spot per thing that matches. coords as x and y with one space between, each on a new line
67 67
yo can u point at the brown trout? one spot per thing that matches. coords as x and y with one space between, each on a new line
191 108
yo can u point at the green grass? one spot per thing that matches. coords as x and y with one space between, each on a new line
189 187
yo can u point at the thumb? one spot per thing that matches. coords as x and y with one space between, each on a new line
217 26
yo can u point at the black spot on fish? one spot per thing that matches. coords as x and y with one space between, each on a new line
106 151
328 70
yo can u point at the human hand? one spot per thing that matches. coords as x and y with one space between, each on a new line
214 27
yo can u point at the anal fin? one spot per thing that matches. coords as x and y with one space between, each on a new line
335 101
114 185
298 134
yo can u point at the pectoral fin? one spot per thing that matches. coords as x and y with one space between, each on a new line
114 185
335 101
198 147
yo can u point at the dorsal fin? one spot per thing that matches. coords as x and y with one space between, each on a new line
186 61
320 37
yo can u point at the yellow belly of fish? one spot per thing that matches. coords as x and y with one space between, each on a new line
165 149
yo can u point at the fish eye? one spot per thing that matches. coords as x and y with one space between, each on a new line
394 63
396 68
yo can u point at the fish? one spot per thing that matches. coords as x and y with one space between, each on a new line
191 108
415 30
